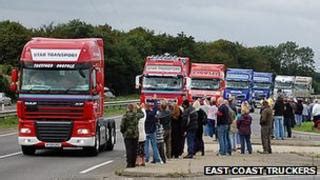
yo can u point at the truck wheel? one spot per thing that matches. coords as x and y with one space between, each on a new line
28 150
94 151
112 136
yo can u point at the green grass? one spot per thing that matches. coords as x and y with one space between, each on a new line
8 122
123 98
108 112
306 127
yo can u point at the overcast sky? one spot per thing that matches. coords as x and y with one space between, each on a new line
250 22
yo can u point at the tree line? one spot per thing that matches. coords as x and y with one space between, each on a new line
125 51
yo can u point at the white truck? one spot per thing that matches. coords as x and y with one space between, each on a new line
303 87
284 85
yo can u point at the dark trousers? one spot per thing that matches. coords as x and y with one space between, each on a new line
161 151
167 141
265 138
131 145
288 126
245 139
191 138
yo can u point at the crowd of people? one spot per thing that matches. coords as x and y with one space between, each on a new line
166 127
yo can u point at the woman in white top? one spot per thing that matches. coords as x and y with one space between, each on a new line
142 138
212 119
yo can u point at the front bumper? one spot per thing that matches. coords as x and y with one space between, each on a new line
73 142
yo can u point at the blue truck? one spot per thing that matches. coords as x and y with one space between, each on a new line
262 86
239 84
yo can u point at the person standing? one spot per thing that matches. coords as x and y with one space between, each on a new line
142 138
199 144
212 118
266 120
190 119
305 112
244 128
222 127
150 129
316 112
177 134
298 113
278 118
288 118
130 132
160 142
164 117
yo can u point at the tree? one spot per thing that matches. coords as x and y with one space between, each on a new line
13 36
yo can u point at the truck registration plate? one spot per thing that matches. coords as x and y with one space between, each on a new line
52 145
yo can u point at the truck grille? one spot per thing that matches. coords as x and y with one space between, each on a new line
53 131
54 110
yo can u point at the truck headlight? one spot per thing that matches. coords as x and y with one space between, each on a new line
25 130
83 131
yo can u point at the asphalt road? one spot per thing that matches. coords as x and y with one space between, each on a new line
53 164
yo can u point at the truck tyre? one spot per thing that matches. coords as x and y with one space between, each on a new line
112 136
94 151
28 150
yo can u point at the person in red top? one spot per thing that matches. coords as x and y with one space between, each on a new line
244 127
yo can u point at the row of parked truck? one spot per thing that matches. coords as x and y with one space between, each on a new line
60 88
175 79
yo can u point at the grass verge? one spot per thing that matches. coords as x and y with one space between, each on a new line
116 111
124 98
306 127
8 122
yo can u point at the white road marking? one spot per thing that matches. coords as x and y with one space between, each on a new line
9 155
95 167
9 134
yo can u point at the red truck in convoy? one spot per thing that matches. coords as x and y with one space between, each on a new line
60 87
164 78
207 80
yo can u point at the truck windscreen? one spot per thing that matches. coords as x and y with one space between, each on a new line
57 80
283 85
205 84
261 85
301 87
162 83
238 84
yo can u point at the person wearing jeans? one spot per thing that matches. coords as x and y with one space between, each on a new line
150 130
278 118
298 113
223 127
222 131
151 138
190 119
244 128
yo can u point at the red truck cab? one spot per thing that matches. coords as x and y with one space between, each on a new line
60 97
207 80
164 78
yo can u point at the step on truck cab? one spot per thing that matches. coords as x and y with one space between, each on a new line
283 85
164 78
239 84
60 96
303 87
262 86
207 80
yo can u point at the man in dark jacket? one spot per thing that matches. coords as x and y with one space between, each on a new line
130 132
165 119
190 118
150 129
266 120
288 117
278 118
222 127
